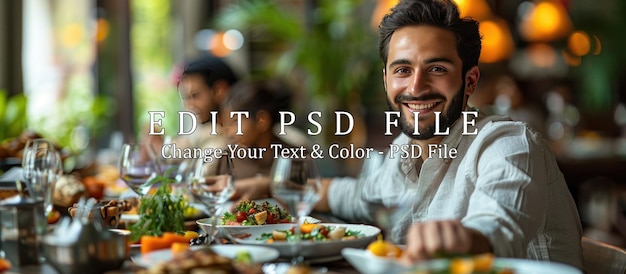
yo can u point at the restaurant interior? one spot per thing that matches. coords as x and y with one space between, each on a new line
85 74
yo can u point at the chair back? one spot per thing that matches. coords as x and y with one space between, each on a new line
602 258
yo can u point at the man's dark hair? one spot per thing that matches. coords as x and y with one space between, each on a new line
253 96
438 13
212 69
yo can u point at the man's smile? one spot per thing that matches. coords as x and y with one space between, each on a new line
422 107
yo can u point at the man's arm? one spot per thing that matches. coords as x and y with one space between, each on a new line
429 240
322 205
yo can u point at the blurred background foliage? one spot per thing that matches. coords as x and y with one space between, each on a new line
12 115
328 49
153 62
110 62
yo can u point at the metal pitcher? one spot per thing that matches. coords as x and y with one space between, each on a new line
22 223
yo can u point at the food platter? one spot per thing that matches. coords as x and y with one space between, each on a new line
367 263
258 254
238 231
313 251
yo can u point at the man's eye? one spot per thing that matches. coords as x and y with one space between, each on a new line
438 69
402 70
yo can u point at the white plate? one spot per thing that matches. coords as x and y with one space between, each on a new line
367 263
238 230
313 251
259 254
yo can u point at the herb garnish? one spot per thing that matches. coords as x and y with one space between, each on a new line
161 211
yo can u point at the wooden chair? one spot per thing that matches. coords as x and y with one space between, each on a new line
602 258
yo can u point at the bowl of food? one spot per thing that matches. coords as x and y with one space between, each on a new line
244 216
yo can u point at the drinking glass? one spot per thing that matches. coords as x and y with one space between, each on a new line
295 183
42 167
210 185
137 168
386 207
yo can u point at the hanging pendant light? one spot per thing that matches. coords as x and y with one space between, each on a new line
544 21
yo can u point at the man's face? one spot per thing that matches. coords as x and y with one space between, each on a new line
423 74
197 97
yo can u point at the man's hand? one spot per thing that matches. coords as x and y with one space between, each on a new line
431 239
252 188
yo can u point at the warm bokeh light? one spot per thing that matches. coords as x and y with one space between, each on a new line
477 9
71 35
382 8
597 45
545 21
541 55
497 41
102 30
217 46
579 43
570 59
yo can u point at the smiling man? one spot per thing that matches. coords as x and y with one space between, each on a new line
502 193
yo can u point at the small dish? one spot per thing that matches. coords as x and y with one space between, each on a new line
368 263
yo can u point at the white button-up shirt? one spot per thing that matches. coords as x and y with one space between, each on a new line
505 183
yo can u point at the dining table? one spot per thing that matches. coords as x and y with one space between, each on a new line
334 266
129 267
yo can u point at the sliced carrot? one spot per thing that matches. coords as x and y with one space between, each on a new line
172 237
151 243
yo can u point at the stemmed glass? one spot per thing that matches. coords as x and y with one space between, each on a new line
295 183
211 185
387 209
42 166
137 168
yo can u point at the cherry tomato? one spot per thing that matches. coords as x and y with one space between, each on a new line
323 231
241 216
271 219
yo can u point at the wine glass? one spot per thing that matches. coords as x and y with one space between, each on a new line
295 183
210 186
42 166
137 168
386 208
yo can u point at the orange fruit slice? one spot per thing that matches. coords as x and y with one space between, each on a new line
384 248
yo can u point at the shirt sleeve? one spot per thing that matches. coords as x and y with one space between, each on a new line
344 200
509 201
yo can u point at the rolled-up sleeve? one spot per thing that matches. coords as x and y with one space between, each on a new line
509 201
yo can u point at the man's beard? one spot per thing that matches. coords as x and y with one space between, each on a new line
446 118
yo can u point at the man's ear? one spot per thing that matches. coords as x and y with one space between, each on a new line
221 89
263 121
385 79
471 80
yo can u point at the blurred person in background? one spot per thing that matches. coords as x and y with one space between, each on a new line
204 84
511 101
262 100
